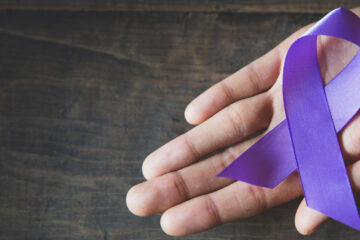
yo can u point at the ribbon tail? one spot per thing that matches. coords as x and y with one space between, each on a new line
267 163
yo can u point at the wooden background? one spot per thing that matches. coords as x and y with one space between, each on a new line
89 88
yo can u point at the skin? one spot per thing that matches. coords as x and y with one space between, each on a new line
187 190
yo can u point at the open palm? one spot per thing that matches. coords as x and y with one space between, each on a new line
187 190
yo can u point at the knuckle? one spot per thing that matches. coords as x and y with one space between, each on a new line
257 194
213 210
236 121
191 146
227 90
254 77
180 186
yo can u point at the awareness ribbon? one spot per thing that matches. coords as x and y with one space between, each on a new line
307 139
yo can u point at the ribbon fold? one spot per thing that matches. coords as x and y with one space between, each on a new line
307 139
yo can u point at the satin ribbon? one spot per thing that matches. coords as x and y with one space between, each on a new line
307 139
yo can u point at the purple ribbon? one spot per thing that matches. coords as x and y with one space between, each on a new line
307 139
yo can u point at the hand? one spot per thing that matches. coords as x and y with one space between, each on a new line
187 190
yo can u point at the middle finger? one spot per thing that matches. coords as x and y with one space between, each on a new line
228 126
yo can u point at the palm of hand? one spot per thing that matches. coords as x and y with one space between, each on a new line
187 189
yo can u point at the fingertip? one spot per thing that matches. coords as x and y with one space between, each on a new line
148 169
302 219
192 114
302 228
168 225
135 201
307 220
131 200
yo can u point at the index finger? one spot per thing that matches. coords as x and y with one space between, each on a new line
255 78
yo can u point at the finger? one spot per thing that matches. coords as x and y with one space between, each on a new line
161 193
255 78
227 127
349 140
307 220
238 200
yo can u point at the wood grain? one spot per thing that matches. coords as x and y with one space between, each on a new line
85 96
300 6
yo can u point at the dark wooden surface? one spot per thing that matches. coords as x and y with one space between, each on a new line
89 88
299 6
